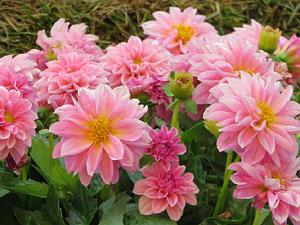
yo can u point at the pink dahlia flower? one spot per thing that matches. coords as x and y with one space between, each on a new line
165 145
267 183
156 90
135 58
21 65
176 29
101 132
289 52
60 82
255 117
221 61
251 33
165 189
138 87
16 124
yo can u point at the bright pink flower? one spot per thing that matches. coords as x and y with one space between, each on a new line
251 33
63 36
101 132
156 90
289 52
16 124
135 58
255 117
176 29
279 186
165 189
225 60
164 145
64 76
21 65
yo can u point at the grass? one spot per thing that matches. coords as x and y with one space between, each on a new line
115 20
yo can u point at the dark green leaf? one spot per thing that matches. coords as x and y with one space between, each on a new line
96 184
113 210
7 203
83 208
134 176
29 218
133 217
190 106
172 75
51 210
3 192
167 90
62 179
196 133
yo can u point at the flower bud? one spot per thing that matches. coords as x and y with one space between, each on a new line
212 127
182 85
268 40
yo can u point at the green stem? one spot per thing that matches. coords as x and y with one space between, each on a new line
51 146
175 122
222 196
256 218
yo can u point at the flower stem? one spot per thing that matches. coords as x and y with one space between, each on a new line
175 122
256 218
222 196
51 146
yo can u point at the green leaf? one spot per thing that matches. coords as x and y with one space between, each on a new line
133 217
265 217
83 208
61 179
51 210
29 218
3 192
191 106
173 103
196 133
167 90
113 210
172 75
96 184
134 176
29 187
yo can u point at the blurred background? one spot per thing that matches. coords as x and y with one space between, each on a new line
115 20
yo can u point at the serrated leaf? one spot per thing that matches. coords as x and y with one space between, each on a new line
29 218
83 208
113 210
167 90
51 210
133 217
29 187
3 192
96 184
190 106
196 133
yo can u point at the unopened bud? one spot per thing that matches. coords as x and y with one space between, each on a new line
269 38
182 85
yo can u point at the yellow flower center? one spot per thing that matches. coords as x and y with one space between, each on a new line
277 175
267 114
184 33
8 117
137 61
99 129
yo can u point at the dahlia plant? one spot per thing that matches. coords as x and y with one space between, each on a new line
183 127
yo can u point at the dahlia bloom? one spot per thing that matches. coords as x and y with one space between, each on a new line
165 145
16 124
289 52
255 117
225 60
138 87
165 188
98 135
60 82
135 58
251 33
21 65
267 183
176 29
156 90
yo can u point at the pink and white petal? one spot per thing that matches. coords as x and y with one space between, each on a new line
190 198
172 199
175 213
75 145
145 205
128 130
113 147
85 179
159 205
106 168
94 157
140 187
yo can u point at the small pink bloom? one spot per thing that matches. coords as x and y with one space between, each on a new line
63 78
157 92
17 124
165 188
138 87
279 186
135 58
255 117
101 132
176 29
164 145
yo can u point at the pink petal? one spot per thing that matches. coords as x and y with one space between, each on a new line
85 179
106 168
172 199
145 206
159 205
93 159
175 213
73 146
140 187
128 130
190 198
113 147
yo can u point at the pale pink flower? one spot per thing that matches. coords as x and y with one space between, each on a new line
165 145
267 183
255 117
165 188
250 33
21 65
60 82
289 52
221 61
156 90
135 58
101 132
176 29
16 124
